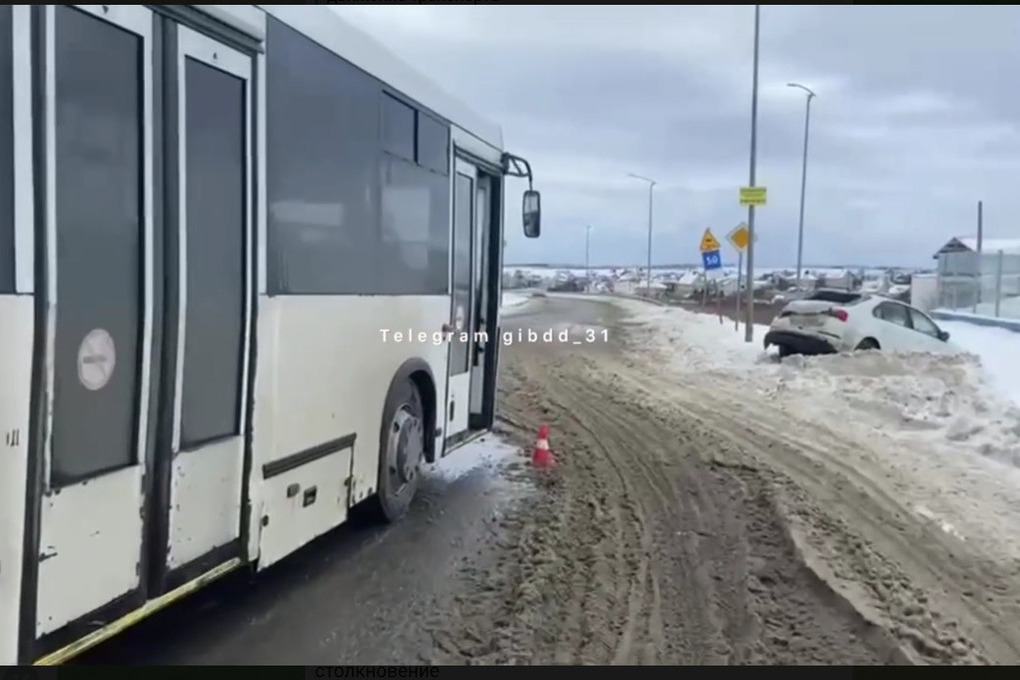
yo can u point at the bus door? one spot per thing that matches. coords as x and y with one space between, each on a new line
98 236
115 196
486 286
210 316
462 295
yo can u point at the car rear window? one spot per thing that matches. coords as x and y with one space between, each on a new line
838 296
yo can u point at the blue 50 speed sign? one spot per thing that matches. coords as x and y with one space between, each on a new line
711 260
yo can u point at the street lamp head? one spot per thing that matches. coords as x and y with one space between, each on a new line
643 179
809 91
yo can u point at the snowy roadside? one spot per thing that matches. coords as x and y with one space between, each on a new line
489 452
931 431
998 349
513 303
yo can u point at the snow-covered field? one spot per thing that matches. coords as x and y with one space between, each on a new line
940 433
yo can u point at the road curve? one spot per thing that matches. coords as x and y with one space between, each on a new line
647 544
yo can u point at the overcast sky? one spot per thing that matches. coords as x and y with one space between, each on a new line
917 118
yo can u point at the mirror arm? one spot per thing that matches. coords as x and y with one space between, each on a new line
515 166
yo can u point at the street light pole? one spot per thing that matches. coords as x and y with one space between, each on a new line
803 177
749 321
587 258
651 186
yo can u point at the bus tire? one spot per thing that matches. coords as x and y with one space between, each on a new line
401 451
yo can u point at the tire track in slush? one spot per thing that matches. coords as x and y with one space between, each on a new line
726 610
590 604
929 555
634 549
637 576
727 624
640 452
619 442
741 624
600 563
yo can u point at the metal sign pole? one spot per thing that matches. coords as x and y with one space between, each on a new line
749 321
740 274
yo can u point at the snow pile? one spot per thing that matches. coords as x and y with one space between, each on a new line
942 400
999 350
946 400
511 300
703 342
931 431
699 343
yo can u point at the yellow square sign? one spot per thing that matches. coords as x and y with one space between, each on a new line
752 195
739 237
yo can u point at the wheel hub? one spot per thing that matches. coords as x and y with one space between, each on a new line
404 453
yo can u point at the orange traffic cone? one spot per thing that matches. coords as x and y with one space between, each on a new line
542 456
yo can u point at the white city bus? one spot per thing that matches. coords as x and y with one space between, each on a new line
209 214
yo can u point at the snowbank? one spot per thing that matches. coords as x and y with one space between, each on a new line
998 349
935 431
511 300
947 398
1009 308
707 343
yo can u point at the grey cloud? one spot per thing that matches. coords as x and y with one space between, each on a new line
915 120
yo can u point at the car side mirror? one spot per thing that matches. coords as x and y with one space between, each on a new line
532 213
943 336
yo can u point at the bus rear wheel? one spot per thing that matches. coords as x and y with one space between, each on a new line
401 451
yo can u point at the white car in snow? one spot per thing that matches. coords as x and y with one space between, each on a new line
830 321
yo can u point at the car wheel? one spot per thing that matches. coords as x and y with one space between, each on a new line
866 344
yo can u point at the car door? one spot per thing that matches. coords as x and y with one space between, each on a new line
928 333
894 328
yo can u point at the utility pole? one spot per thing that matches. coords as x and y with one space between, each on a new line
587 258
749 321
980 228
979 270
803 178
651 186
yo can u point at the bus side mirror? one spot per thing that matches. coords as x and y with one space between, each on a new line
532 210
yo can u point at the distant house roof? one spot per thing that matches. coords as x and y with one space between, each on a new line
968 244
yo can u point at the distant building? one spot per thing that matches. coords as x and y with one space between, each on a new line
969 244
970 279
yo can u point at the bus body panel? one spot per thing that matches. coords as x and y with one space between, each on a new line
17 331
325 365
206 489
88 542
248 19
480 149
319 365
16 336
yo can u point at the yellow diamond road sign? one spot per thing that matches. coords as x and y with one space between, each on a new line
752 195
708 242
739 237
